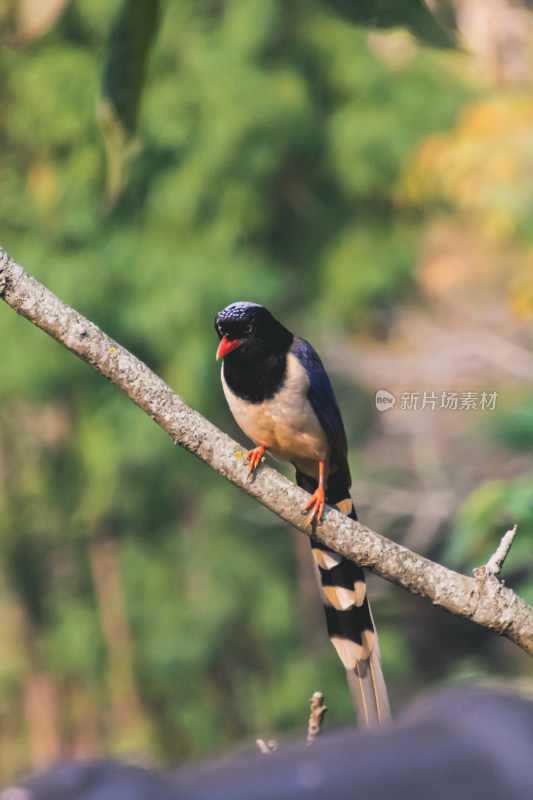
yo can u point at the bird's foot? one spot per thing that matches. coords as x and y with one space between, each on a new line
317 501
254 457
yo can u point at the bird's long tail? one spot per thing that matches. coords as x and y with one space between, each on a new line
348 616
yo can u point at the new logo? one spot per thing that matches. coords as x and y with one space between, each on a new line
384 400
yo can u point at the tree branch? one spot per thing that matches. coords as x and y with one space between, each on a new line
495 562
486 603
318 710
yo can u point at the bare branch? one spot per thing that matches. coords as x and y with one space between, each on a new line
490 604
316 717
495 562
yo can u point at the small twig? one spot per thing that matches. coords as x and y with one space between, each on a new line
495 563
267 748
316 718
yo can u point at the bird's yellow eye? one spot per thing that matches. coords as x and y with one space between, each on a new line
248 328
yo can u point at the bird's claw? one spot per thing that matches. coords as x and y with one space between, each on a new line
317 501
254 457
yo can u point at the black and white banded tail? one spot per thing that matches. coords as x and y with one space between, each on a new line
348 617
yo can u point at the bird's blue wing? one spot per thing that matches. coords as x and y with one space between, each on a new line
324 404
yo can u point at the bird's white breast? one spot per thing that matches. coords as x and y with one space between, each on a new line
285 424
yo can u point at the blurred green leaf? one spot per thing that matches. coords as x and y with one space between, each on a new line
129 47
412 14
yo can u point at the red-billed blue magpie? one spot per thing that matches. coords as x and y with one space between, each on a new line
280 395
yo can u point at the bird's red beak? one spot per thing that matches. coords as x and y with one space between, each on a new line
226 346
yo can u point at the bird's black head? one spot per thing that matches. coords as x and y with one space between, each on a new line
252 329
254 347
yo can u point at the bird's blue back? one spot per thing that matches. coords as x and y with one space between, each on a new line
324 405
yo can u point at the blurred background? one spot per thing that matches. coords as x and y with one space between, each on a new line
365 171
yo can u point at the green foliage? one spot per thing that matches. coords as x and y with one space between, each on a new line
130 42
498 505
515 428
485 516
413 14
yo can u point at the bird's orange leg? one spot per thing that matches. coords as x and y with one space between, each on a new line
255 456
318 499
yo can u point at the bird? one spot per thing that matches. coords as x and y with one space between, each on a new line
281 397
